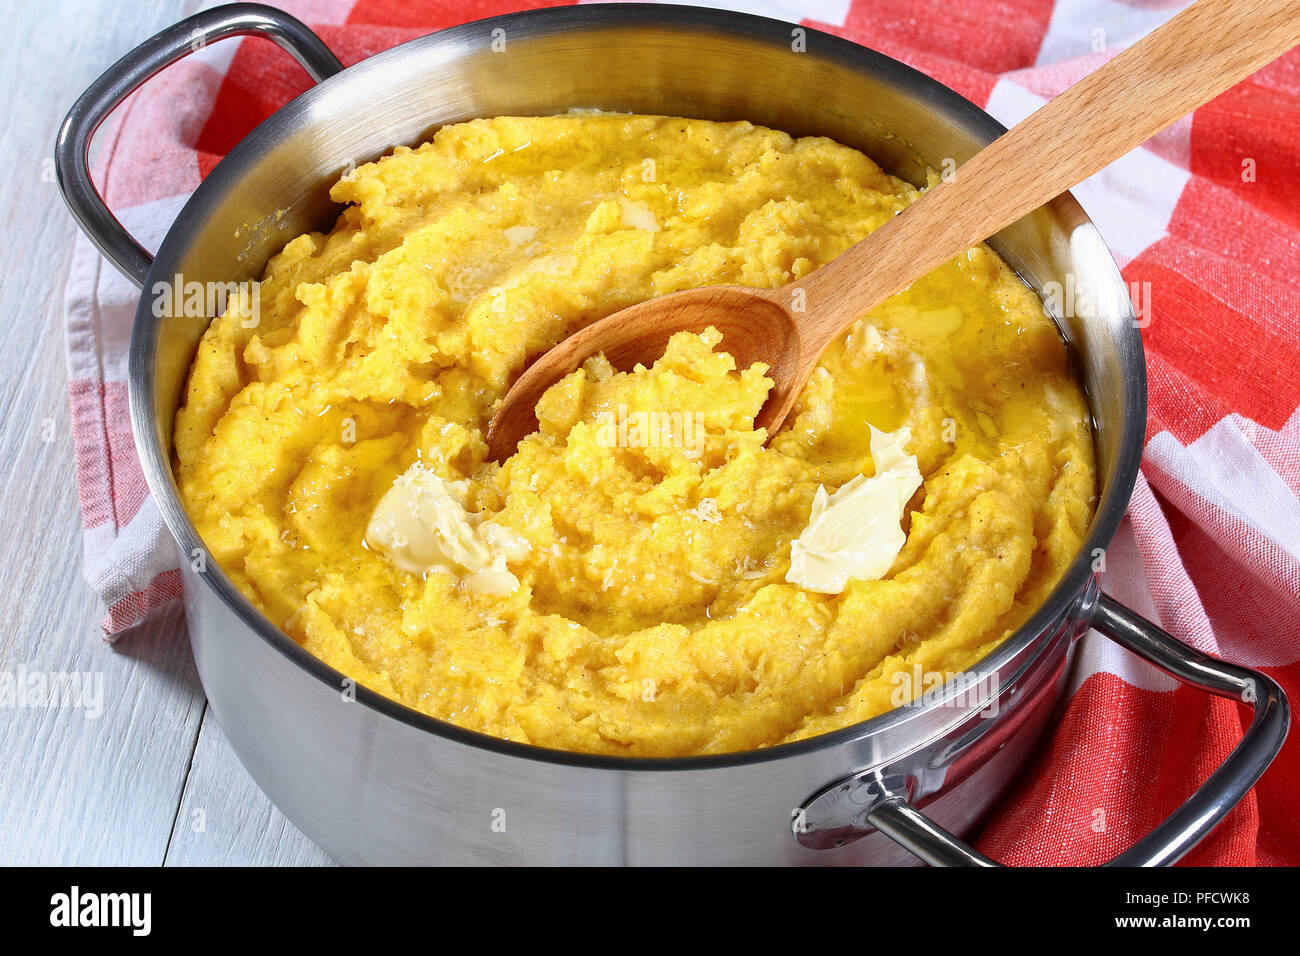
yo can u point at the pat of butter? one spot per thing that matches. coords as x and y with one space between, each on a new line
857 532
421 525
518 235
638 215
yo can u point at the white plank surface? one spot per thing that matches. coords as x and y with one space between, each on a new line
224 819
120 788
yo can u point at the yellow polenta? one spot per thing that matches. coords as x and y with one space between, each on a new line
652 614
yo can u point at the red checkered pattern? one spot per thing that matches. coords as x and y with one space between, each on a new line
1208 213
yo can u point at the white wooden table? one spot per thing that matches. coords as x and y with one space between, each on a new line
152 780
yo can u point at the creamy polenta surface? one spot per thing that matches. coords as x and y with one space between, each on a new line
637 599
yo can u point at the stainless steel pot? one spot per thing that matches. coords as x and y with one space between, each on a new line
372 781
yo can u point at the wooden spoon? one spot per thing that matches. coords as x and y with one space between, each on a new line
1192 58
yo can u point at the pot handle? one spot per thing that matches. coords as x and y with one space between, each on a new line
1187 825
72 148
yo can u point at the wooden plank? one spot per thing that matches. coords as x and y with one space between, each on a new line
225 820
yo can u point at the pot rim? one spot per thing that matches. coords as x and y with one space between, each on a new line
155 456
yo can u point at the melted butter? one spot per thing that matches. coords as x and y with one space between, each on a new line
638 215
421 525
856 533
519 235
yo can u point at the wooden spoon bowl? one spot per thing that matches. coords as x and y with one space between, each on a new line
755 327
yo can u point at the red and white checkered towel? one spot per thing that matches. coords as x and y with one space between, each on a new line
1208 214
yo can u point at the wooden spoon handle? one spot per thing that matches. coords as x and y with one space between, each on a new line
1189 60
